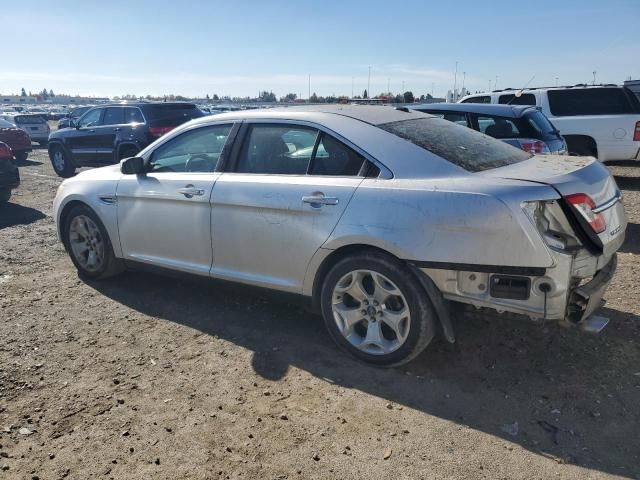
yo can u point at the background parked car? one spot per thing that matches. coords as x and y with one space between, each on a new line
34 125
109 133
602 121
17 139
524 127
9 175
72 116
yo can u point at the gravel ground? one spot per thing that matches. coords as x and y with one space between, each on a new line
150 376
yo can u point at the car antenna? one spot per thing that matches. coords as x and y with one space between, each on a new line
518 93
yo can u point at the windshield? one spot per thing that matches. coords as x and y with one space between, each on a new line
462 146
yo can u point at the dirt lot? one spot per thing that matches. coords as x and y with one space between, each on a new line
156 377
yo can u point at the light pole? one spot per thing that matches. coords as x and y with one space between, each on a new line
464 76
352 80
455 83
594 77
369 84
309 89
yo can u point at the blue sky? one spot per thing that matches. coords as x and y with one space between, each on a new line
238 47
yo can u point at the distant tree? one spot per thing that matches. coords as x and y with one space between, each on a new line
207 97
51 94
23 93
267 96
289 97
365 94
215 97
313 98
408 97
429 95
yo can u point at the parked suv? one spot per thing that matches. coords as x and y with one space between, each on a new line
109 133
602 121
523 127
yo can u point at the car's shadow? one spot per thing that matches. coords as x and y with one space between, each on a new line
27 163
632 239
628 183
13 214
570 401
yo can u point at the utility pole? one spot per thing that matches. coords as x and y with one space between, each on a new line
464 77
455 83
369 84
594 77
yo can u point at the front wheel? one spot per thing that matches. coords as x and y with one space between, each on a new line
88 244
61 162
376 309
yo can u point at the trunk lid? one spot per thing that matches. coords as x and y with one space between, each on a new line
571 175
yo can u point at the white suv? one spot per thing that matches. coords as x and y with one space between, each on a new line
602 121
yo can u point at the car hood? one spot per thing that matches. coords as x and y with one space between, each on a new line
110 172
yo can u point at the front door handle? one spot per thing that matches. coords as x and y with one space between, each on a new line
317 200
190 191
117 129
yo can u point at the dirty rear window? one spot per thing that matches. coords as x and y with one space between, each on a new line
461 146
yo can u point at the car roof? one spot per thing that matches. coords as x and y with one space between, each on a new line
140 104
511 111
371 114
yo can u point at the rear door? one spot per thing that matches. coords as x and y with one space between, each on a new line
279 202
105 134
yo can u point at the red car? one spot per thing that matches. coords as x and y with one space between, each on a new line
18 140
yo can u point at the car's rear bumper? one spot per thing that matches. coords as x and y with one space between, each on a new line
554 294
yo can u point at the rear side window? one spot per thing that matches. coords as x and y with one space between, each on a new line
171 115
511 99
498 127
481 99
133 115
590 101
113 116
334 158
459 145
29 119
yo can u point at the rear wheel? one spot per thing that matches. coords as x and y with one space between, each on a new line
88 244
376 309
61 162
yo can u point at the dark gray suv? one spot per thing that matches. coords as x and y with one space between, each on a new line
108 133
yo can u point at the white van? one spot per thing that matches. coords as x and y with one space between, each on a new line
602 121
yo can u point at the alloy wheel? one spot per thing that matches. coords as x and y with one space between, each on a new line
86 242
371 312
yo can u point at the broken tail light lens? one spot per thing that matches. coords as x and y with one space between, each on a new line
584 204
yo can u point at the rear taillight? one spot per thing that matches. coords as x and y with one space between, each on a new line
533 146
636 133
157 132
585 205
5 151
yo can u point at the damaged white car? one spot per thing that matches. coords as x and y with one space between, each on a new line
380 216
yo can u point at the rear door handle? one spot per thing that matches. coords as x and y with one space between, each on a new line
117 129
316 201
190 191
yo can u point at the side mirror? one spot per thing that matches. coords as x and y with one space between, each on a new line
132 166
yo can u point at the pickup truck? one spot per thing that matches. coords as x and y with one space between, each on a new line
601 121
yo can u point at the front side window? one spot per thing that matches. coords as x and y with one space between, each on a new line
197 150
113 116
91 118
459 145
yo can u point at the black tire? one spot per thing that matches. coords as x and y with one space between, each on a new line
111 265
67 169
5 195
422 326
126 152
21 156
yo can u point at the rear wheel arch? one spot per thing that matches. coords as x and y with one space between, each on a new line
425 283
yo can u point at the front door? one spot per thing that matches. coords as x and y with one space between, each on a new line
279 204
164 215
81 140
